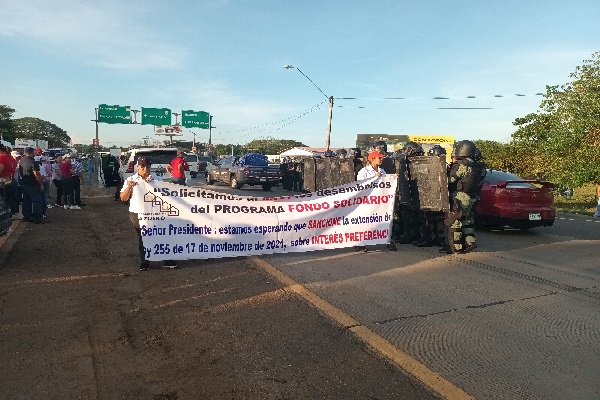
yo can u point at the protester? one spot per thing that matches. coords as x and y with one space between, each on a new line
43 172
372 168
6 171
46 171
16 188
66 174
57 180
90 170
177 168
127 194
78 171
32 186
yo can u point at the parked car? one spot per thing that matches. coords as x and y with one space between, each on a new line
193 162
508 200
235 171
203 162
160 158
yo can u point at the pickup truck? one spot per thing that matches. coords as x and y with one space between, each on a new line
233 171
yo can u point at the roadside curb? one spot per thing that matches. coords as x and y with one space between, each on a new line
4 238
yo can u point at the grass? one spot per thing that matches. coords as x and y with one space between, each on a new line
583 201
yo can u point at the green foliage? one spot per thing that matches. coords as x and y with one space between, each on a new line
271 145
7 126
563 137
35 128
496 155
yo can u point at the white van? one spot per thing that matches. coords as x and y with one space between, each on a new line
159 157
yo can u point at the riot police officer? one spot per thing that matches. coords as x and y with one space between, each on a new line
406 226
432 222
341 153
355 155
465 179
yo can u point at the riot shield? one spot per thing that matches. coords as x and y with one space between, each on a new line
428 177
342 171
403 189
325 173
309 174
388 165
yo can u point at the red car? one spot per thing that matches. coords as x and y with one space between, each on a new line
507 200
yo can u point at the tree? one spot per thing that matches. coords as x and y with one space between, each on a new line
7 126
564 135
271 145
35 128
495 154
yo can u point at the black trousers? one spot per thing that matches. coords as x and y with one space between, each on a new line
77 187
133 217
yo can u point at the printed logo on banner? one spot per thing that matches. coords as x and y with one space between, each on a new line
164 206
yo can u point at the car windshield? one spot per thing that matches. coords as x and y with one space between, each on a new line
158 157
191 158
494 176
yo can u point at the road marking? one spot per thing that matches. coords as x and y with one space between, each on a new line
429 378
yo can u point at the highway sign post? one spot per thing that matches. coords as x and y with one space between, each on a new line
195 119
114 114
156 116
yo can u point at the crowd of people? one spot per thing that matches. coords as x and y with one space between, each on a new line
27 179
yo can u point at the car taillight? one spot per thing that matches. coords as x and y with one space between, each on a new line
130 167
245 170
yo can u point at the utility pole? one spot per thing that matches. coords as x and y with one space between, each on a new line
330 98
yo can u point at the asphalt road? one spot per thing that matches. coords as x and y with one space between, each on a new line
519 318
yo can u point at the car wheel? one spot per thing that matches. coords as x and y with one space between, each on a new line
266 187
193 175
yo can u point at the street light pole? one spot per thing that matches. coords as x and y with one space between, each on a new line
210 128
330 98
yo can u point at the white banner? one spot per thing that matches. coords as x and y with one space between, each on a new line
180 222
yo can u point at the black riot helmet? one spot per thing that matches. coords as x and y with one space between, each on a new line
354 152
412 149
341 153
436 150
329 153
380 146
464 148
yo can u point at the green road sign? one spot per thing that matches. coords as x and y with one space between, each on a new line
114 114
195 119
156 116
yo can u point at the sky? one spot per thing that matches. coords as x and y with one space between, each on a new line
60 59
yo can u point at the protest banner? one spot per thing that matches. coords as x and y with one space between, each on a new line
180 222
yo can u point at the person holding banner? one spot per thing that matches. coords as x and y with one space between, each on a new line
371 170
127 193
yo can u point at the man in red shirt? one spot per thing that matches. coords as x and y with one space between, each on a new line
177 168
